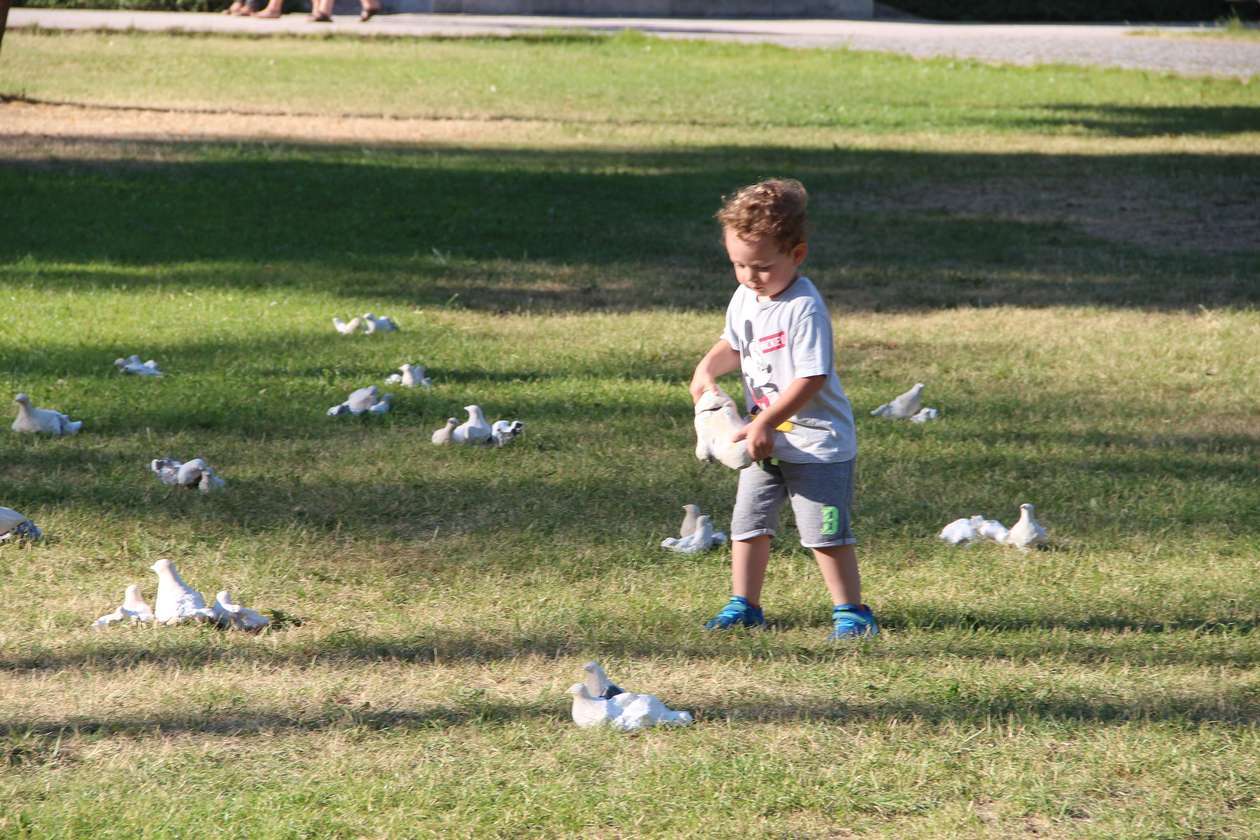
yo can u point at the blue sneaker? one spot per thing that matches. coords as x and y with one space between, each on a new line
852 621
736 611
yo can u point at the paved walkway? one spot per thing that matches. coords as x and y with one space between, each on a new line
1111 46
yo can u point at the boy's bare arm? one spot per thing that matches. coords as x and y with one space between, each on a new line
721 359
760 432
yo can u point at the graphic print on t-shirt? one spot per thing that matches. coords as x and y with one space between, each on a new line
758 371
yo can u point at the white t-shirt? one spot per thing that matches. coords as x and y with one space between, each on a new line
787 338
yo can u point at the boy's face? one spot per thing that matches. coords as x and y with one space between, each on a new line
761 266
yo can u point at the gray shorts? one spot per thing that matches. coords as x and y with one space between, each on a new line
821 495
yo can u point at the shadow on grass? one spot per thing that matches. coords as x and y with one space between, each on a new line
1146 121
1090 639
1234 705
512 229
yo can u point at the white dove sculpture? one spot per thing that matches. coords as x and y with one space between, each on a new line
133 365
373 324
504 432
625 711
15 526
176 601
233 616
957 532
44 421
1027 531
597 682
166 469
132 609
473 430
360 401
904 406
412 376
195 473
701 539
348 327
443 435
990 529
971 529
717 421
690 514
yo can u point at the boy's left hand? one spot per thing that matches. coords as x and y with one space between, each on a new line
758 439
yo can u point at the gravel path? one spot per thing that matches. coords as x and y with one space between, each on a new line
1110 46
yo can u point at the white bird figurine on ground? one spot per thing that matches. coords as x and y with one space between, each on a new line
625 711
361 401
717 421
372 324
176 601
133 609
348 327
973 528
597 682
959 531
504 432
1027 531
42 420
412 376
690 514
473 430
702 538
166 469
925 414
443 435
232 616
195 473
15 526
990 529
903 406
133 365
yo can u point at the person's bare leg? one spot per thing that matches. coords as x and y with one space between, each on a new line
371 8
749 559
839 567
273 10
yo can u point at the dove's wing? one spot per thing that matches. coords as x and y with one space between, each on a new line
958 531
109 618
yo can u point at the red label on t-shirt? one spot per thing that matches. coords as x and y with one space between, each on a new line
771 342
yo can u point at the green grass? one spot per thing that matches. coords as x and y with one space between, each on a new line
629 79
1079 297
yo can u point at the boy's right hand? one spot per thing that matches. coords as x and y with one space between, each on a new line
720 360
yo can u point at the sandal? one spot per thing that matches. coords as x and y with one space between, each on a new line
368 13
319 19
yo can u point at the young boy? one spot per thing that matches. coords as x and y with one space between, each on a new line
801 438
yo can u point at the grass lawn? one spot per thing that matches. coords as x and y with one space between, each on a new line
1067 257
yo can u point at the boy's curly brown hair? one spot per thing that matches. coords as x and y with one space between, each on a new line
774 208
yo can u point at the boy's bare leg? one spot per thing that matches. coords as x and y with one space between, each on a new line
839 567
749 559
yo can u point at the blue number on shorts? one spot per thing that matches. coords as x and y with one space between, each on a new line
831 520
